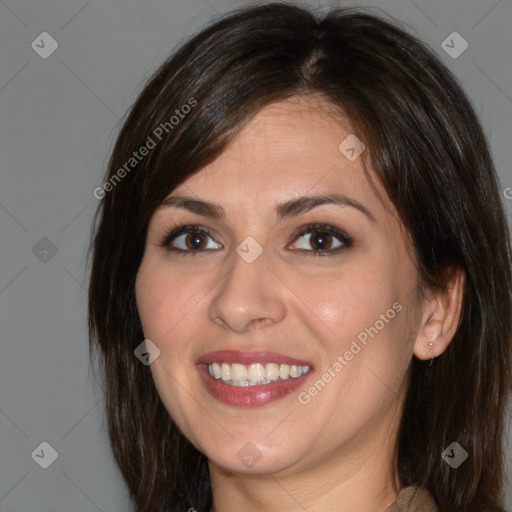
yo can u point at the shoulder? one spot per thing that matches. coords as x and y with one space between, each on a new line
413 499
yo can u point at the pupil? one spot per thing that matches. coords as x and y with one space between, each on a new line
194 241
320 241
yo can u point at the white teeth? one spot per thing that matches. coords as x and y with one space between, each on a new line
271 371
238 372
238 383
254 374
295 371
226 371
216 370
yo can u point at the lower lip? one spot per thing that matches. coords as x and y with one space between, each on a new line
249 396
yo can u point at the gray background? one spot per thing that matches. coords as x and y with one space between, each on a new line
59 118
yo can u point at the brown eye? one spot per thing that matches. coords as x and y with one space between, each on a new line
189 239
320 241
194 240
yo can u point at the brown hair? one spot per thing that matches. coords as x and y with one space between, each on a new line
428 150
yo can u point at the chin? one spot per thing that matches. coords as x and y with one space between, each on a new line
255 459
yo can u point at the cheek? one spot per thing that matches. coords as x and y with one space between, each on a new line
350 302
164 303
171 305
367 312
150 294
161 299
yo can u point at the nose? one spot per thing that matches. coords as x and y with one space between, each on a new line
250 295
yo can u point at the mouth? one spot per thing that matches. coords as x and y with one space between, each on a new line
248 379
255 374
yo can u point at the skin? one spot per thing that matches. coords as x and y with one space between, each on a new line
335 452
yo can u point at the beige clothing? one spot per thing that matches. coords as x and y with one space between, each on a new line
413 499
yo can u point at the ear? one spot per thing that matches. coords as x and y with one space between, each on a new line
440 317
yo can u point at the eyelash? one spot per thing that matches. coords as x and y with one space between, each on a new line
346 241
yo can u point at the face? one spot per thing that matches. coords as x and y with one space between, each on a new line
309 304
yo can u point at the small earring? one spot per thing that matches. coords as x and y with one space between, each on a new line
432 351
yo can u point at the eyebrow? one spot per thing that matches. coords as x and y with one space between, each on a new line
290 208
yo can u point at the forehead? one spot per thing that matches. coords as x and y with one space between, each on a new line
292 146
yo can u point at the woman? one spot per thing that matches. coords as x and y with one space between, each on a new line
300 288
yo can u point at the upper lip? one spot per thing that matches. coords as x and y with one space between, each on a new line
248 357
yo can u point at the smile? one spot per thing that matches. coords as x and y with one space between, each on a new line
250 379
237 374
